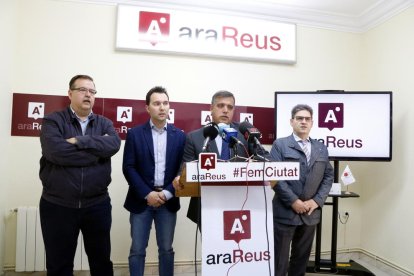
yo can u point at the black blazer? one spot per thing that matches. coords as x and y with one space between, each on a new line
193 147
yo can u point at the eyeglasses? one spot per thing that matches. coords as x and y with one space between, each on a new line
83 90
301 118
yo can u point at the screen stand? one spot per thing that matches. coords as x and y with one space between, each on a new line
331 266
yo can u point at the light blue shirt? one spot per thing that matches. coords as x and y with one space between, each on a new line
159 138
83 123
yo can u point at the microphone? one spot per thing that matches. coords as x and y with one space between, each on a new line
251 134
210 132
229 135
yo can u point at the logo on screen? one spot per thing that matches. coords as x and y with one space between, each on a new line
331 115
237 225
207 160
36 110
154 27
124 114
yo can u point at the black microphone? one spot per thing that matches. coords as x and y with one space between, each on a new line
251 134
210 132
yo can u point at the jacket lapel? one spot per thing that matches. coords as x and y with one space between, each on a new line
315 152
148 139
170 143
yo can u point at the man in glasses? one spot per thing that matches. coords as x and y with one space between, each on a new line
297 203
75 170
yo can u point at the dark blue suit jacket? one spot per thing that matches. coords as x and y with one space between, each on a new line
139 165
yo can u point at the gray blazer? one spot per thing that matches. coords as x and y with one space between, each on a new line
193 147
315 181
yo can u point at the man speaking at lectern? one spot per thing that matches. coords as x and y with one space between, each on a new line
297 203
222 111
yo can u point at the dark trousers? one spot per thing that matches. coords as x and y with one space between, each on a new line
297 239
60 229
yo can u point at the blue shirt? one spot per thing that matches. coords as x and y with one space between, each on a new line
159 138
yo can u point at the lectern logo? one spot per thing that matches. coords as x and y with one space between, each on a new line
331 115
237 225
154 27
207 160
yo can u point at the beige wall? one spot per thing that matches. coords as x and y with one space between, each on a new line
387 210
7 19
54 40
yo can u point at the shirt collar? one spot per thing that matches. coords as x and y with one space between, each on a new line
297 138
77 117
160 130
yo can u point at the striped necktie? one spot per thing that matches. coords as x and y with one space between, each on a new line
306 150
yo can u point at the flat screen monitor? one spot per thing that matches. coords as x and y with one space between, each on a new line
353 125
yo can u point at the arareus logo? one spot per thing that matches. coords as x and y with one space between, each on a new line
207 160
331 115
35 110
154 27
124 114
237 225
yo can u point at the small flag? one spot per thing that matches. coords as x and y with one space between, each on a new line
347 177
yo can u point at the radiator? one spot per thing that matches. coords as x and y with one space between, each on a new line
30 249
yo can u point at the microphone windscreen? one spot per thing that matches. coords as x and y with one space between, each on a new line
228 133
211 131
244 127
221 127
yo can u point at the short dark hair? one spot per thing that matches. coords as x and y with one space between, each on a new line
300 107
155 89
75 78
222 94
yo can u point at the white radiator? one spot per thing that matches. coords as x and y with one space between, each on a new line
30 249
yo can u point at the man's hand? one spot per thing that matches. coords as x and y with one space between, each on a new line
311 205
300 207
156 199
72 140
176 183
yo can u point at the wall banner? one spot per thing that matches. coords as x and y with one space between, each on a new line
196 33
29 110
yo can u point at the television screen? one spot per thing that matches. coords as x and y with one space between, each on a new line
353 125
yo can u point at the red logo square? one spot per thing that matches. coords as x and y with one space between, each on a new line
154 26
237 225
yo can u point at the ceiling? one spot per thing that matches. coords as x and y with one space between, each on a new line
343 15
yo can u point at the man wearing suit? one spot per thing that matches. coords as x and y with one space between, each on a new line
152 158
297 204
222 111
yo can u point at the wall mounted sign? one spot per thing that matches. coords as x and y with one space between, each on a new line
197 33
29 109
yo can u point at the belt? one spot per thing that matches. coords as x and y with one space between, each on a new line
158 188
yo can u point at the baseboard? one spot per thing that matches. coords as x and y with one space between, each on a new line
368 259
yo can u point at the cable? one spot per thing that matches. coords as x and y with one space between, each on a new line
346 217
198 219
266 214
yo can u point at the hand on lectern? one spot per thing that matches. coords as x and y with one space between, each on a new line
176 183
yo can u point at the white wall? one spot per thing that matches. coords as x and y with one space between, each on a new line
387 210
7 19
57 39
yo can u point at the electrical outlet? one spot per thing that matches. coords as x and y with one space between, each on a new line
344 215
